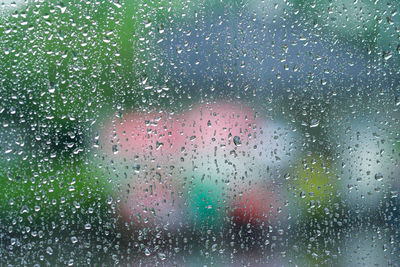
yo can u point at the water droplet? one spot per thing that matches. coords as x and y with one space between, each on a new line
162 256
136 168
24 209
237 141
379 176
74 239
387 55
49 250
397 101
159 145
314 123
115 149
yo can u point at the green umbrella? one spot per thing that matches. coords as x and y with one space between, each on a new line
206 201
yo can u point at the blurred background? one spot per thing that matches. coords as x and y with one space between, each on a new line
199 133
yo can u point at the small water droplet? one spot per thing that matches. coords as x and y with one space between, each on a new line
24 209
136 168
115 149
237 141
147 252
49 250
314 123
387 55
397 101
162 256
379 176
159 145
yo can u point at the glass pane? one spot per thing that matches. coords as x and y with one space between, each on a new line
199 133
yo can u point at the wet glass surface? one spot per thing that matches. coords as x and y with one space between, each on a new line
199 133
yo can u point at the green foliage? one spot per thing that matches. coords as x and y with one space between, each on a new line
50 190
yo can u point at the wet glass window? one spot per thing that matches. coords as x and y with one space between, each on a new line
199 133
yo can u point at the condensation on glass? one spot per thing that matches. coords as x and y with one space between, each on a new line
199 133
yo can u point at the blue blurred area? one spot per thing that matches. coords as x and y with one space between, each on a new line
236 55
